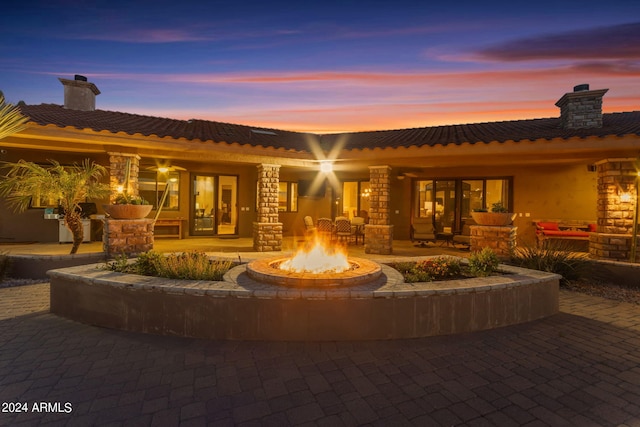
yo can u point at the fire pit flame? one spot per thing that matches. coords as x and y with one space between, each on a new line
315 257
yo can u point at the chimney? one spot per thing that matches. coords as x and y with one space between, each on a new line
79 94
582 108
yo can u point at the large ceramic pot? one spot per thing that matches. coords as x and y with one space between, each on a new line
127 211
493 218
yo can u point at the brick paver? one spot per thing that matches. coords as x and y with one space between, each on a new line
579 367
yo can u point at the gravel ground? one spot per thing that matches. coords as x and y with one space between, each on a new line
605 290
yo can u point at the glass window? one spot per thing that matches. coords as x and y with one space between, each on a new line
356 199
39 201
287 196
156 187
450 202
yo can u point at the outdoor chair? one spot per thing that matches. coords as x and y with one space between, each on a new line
343 228
309 227
422 230
357 228
325 228
464 238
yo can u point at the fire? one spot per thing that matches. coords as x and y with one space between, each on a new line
315 257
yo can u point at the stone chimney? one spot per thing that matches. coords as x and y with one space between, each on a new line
582 108
79 94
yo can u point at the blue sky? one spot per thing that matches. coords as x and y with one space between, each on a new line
327 66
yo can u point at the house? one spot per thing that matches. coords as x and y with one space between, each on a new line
232 180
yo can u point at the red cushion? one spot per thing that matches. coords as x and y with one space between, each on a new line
548 225
567 233
593 227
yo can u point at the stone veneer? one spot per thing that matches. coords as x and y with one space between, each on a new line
502 239
240 308
267 230
613 237
118 170
581 109
127 236
378 234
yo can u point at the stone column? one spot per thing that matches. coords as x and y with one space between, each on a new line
616 203
378 234
502 239
127 236
267 230
118 171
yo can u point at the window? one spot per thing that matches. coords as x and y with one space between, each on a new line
355 199
39 201
449 202
152 186
287 196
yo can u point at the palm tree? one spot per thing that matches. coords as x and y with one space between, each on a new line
69 185
11 120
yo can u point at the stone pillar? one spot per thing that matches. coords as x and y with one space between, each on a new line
267 230
502 239
127 236
617 194
378 234
118 173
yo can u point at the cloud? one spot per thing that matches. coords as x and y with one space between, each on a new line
612 42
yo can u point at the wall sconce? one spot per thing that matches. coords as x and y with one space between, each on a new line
625 197
120 189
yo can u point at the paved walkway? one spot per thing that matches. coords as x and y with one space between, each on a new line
578 368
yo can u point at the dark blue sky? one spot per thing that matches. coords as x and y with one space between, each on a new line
324 66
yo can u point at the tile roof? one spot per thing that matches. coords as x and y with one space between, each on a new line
618 124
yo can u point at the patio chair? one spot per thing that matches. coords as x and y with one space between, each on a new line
309 228
357 228
422 230
325 228
464 238
343 228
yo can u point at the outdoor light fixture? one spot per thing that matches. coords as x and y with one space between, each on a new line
326 167
625 197
120 188
163 169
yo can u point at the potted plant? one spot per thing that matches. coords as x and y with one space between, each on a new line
499 216
128 207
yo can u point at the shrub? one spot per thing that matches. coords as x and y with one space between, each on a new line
188 266
553 257
439 268
483 263
192 266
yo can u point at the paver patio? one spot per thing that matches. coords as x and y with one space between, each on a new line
579 367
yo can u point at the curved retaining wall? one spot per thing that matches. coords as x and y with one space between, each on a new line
239 308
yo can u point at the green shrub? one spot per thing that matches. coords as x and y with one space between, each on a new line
483 263
554 256
440 268
188 266
192 266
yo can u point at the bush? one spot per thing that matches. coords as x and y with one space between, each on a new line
553 257
484 263
188 266
440 268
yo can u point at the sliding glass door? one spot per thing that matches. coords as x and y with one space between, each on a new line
449 202
214 205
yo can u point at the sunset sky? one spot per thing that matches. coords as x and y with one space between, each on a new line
324 66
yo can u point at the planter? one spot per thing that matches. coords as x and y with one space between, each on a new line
127 211
493 218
